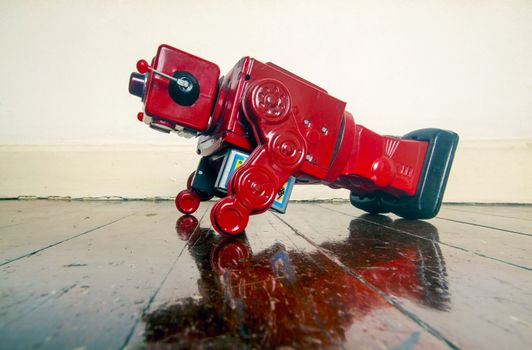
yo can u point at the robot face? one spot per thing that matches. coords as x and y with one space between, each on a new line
178 90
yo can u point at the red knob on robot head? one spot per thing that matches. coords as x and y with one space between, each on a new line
143 67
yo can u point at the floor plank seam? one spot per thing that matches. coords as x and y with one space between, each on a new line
44 300
431 330
154 295
485 226
442 243
148 305
27 255
460 210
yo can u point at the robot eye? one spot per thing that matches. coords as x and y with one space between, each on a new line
184 90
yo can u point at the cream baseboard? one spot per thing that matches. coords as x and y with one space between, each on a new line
483 172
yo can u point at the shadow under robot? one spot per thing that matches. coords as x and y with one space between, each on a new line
261 129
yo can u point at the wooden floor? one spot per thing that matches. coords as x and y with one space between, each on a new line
112 275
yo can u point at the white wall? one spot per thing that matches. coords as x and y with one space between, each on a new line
400 65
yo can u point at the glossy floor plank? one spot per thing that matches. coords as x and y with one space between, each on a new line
140 275
89 291
38 228
455 284
522 212
503 246
519 222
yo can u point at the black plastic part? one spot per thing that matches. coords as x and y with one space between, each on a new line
370 203
205 178
137 84
425 204
184 96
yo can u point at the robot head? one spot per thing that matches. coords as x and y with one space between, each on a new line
178 90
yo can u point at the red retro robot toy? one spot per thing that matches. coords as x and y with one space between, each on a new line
261 129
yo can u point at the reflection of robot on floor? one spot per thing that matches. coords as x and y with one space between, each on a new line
280 298
287 130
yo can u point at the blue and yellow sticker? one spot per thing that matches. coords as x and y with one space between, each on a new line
281 199
238 160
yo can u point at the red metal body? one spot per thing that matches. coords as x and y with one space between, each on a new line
289 125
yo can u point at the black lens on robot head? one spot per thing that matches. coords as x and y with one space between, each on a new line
185 90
